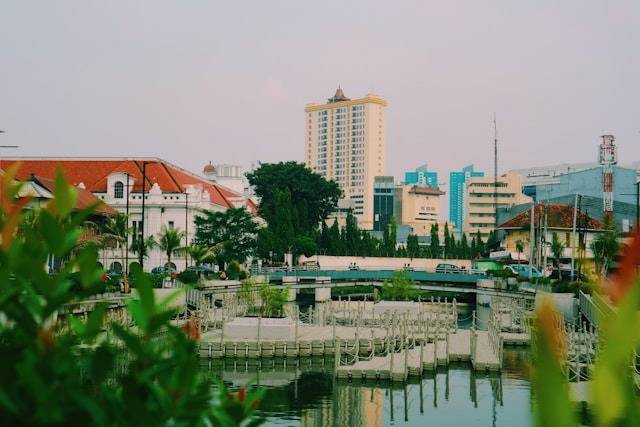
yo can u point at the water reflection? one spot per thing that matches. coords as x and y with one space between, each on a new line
306 393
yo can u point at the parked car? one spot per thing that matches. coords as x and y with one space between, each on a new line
448 268
523 270
200 269
163 270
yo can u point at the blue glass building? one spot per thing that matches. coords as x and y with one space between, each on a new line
456 194
421 177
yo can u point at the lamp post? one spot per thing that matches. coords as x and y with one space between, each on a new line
186 228
141 248
126 233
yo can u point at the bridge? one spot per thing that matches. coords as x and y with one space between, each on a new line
469 277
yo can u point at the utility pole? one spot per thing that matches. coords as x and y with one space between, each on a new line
141 248
573 239
186 228
532 238
495 171
126 233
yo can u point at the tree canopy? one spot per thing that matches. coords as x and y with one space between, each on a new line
232 233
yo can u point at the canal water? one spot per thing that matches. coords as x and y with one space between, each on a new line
305 392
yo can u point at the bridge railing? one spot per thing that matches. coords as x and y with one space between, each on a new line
316 271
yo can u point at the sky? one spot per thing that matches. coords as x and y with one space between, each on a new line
192 81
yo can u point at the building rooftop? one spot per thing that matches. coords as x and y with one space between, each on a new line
558 216
416 189
339 96
93 173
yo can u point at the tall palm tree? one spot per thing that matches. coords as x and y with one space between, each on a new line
149 243
605 247
169 241
203 254
519 249
557 247
114 231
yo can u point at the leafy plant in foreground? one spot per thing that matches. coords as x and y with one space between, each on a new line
61 371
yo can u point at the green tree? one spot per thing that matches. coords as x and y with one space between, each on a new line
334 238
557 247
465 250
145 245
202 254
480 248
434 247
315 198
393 235
413 249
232 232
520 248
169 241
401 288
114 231
605 247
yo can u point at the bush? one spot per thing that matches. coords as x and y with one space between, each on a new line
504 273
69 371
155 280
233 270
402 288
188 277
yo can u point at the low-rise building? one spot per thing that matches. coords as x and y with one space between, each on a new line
172 196
480 203
547 220
418 207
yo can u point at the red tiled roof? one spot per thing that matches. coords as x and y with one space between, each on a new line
84 200
426 190
93 173
558 216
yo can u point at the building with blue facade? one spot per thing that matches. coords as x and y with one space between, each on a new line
456 194
421 177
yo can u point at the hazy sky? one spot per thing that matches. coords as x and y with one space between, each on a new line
192 81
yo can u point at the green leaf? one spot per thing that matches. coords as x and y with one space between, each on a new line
65 195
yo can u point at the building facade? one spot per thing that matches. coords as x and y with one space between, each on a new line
480 207
457 192
173 197
421 177
383 200
417 207
345 142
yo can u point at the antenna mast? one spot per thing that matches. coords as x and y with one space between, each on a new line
495 171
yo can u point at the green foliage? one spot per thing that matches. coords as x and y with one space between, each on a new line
72 375
273 301
402 288
202 254
605 247
434 247
169 241
504 273
231 234
315 198
233 270
188 277
557 247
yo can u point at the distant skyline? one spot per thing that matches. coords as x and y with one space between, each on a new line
192 82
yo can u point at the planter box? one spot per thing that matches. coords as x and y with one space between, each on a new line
282 328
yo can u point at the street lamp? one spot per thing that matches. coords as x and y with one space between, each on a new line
141 247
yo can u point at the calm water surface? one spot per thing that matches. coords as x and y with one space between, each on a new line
305 393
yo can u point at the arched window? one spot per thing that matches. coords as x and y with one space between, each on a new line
116 267
118 190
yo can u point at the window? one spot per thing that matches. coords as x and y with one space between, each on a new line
118 190
171 225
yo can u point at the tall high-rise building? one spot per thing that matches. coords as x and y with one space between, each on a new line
345 142
456 194
421 177
383 194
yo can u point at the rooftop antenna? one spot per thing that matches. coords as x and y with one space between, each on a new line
495 170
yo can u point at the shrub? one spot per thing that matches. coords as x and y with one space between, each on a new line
47 380
402 288
233 270
273 301
504 273
188 277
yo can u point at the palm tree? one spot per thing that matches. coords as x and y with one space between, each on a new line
114 231
557 247
519 248
203 254
169 241
149 243
605 247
